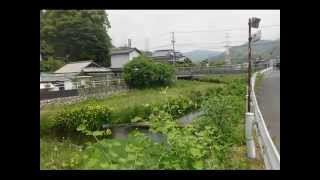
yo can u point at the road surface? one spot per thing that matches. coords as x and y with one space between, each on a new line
268 96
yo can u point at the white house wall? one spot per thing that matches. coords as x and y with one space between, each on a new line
119 60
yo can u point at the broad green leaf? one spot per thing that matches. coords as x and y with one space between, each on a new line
198 165
113 154
116 143
81 127
113 166
195 152
131 157
136 119
104 165
122 160
97 133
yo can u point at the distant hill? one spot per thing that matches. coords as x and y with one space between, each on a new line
262 49
199 55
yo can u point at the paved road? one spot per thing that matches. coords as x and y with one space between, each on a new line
268 96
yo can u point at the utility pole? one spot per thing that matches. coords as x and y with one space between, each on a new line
147 44
249 67
254 23
174 52
129 43
227 57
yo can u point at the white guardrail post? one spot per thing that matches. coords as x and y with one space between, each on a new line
268 150
251 151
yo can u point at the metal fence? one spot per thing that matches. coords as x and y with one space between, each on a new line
270 154
102 88
225 69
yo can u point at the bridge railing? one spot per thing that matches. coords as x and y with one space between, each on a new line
270 154
225 69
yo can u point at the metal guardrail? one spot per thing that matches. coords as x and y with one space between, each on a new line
225 69
270 154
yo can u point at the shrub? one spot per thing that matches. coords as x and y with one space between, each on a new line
182 148
226 112
179 106
142 72
50 65
56 154
93 116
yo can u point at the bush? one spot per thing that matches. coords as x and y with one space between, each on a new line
93 116
142 72
217 63
50 65
178 106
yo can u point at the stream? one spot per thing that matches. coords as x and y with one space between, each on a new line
122 132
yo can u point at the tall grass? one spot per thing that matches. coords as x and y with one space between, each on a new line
125 102
63 154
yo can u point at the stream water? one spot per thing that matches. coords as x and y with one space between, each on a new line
123 132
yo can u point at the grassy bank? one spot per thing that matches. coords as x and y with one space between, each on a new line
124 103
215 141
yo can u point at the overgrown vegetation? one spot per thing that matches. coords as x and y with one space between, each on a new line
50 65
219 62
213 141
142 72
92 116
127 105
224 79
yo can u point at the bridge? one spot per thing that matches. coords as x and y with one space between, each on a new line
192 72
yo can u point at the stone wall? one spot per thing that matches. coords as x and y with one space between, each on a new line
97 92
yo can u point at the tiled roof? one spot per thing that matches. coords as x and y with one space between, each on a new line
74 67
96 69
123 51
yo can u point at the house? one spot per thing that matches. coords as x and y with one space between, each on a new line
167 55
121 56
76 74
53 82
85 68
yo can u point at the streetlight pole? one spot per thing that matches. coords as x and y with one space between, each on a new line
249 67
253 23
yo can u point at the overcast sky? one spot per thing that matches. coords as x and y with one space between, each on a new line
194 29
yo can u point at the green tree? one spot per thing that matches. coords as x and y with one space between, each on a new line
142 72
50 65
76 35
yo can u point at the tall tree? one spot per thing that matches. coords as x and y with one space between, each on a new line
75 35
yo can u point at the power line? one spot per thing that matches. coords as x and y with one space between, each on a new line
200 43
187 32
156 47
219 44
230 29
